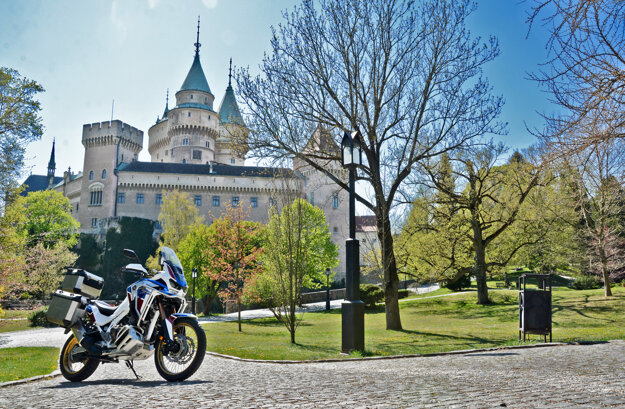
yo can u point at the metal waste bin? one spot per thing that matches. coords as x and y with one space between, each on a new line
535 306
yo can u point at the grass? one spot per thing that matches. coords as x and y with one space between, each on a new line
16 320
430 325
24 362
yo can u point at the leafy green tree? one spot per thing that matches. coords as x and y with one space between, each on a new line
20 124
298 242
232 255
192 252
43 217
45 266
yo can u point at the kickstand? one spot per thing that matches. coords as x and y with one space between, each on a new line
130 364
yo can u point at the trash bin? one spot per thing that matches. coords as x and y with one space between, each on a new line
535 306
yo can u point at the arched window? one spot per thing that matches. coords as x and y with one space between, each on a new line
91 175
95 196
104 174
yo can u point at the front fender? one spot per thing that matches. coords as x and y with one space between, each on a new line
183 315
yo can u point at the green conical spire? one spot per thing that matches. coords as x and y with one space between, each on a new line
229 109
166 105
196 80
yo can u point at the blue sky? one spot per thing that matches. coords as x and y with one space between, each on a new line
87 53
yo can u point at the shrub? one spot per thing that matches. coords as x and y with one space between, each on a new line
459 284
371 294
586 283
403 293
38 319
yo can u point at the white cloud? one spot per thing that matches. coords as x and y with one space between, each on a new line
210 4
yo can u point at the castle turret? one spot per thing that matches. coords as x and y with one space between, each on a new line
187 132
232 142
107 145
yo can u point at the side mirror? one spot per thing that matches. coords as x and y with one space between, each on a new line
130 254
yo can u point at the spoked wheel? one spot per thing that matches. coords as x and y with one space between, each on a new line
74 364
187 354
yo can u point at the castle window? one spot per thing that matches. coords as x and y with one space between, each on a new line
235 201
335 201
185 141
157 156
232 161
311 198
166 152
158 225
197 154
104 174
121 197
254 201
94 222
197 199
159 198
191 96
139 198
208 144
272 201
215 201
95 197
189 114
77 206
335 230
205 101
91 175
184 161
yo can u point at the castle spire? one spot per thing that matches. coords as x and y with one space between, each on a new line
230 74
197 43
166 105
52 163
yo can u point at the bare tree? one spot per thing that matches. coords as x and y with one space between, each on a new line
585 68
407 75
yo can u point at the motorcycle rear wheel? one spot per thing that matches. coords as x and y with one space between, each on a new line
73 369
191 339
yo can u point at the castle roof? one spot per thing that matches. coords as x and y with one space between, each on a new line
229 110
218 169
196 80
36 183
52 162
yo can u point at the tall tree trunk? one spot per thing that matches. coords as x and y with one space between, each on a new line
604 270
239 310
480 261
391 279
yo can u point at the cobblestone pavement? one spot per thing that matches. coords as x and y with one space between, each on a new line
552 377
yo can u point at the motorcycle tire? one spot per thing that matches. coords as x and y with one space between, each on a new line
66 365
191 339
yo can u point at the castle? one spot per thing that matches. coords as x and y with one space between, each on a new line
194 149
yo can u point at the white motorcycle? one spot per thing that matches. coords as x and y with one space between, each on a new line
150 321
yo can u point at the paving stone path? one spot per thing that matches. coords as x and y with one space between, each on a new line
591 376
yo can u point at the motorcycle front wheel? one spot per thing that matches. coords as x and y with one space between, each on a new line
190 346
74 366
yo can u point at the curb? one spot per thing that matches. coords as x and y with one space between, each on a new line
32 379
379 358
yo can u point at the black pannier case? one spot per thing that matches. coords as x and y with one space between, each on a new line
82 282
65 309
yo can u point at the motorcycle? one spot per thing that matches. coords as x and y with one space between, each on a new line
150 321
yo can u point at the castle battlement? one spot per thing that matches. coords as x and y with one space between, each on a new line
110 130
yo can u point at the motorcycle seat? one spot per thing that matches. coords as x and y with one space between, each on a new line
105 309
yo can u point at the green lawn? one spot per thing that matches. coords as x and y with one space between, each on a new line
24 362
430 325
8 322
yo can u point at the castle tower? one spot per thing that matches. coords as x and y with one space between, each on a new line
232 142
187 133
108 145
51 167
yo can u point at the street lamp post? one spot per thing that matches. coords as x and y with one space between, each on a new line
194 275
352 309
327 289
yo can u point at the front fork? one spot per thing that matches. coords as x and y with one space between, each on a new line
167 330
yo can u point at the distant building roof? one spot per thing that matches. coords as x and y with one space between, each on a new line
366 224
196 169
36 183
196 80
